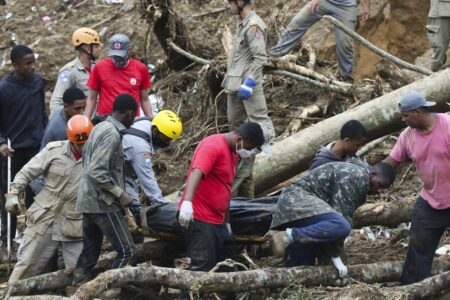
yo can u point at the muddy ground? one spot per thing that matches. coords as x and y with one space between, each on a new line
396 26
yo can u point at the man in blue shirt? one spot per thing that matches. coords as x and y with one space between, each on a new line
74 104
22 120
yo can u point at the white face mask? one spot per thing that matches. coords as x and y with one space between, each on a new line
244 153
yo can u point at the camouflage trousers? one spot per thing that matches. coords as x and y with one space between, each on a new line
439 36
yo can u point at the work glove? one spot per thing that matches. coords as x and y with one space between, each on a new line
12 204
125 200
230 231
6 151
186 214
339 265
246 89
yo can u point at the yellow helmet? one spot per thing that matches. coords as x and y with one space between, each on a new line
168 124
85 35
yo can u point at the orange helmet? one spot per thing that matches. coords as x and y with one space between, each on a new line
78 129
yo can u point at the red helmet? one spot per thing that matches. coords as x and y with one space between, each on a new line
78 129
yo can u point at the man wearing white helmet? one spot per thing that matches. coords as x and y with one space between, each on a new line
76 73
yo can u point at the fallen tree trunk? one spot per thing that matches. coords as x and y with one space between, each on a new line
241 281
292 155
156 250
389 214
427 288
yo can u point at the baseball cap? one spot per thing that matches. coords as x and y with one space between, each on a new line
119 45
413 100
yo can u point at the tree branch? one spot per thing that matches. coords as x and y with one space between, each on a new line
375 49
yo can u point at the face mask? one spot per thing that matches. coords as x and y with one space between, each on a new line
243 153
158 143
122 63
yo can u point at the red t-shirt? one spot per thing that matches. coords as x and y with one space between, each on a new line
111 81
217 162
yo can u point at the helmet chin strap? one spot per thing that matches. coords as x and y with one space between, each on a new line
90 54
240 8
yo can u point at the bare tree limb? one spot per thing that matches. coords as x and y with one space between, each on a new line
343 87
369 146
241 281
192 57
305 79
375 49
212 12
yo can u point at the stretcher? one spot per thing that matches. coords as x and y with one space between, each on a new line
250 219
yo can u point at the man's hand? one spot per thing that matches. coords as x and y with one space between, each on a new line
6 151
366 11
339 265
12 204
230 231
313 7
186 214
125 200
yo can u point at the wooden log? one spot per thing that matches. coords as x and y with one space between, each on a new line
157 250
380 116
389 214
427 288
241 281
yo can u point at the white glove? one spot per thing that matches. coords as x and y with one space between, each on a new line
229 228
339 265
12 204
186 213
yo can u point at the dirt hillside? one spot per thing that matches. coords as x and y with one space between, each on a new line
395 26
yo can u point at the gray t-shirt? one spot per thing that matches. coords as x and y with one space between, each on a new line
56 128
343 2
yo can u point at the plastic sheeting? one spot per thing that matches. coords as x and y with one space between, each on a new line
247 216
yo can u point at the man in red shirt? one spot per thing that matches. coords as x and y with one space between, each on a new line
206 198
115 75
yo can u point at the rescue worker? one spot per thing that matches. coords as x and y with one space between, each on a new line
438 27
426 142
243 83
51 219
74 103
206 198
76 73
101 197
22 120
352 137
344 11
140 142
243 80
118 74
313 215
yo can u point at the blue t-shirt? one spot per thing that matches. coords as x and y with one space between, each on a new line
56 128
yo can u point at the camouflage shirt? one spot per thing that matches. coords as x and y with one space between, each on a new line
102 180
338 187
